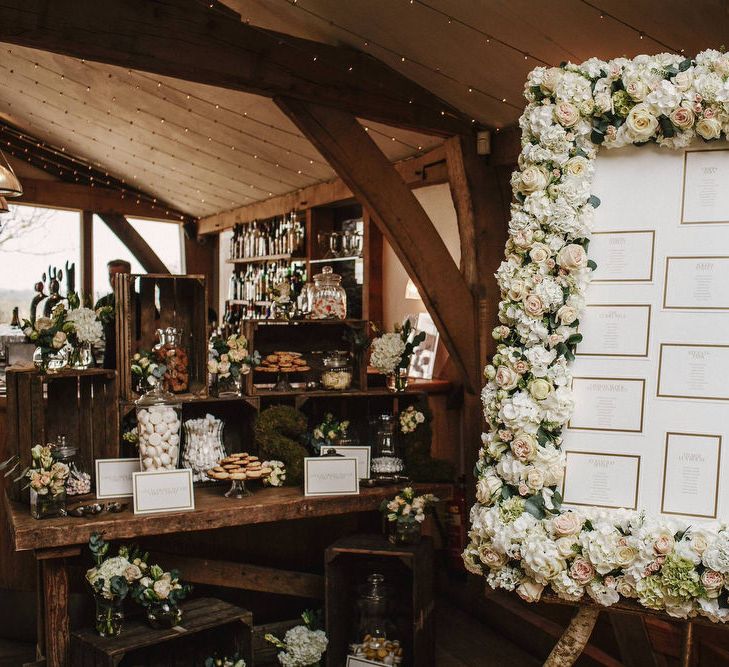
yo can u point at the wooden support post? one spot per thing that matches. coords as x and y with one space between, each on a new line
575 638
358 161
133 240
54 576
87 255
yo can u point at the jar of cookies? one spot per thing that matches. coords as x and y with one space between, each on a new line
329 300
337 373
375 635
171 352
159 425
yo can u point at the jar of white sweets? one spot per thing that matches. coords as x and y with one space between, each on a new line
159 426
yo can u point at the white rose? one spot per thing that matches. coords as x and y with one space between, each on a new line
524 447
684 80
568 523
603 102
535 479
529 590
539 253
488 488
566 315
540 389
683 118
641 123
551 79
566 114
59 340
708 128
532 179
637 89
517 290
572 257
162 588
576 166
533 306
506 378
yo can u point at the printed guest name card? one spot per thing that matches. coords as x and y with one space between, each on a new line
362 454
705 195
615 331
114 477
623 257
691 475
601 480
693 371
608 404
696 283
331 476
163 491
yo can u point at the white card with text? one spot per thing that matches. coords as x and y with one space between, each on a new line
362 454
331 476
163 491
114 477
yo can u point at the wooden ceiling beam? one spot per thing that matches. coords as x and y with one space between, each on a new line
133 240
427 169
403 221
188 40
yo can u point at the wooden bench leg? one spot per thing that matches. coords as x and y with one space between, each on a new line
55 591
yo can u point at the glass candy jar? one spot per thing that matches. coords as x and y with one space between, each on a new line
203 446
329 300
375 634
158 427
171 352
386 463
79 481
337 373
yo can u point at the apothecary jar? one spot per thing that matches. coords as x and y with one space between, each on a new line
159 426
329 300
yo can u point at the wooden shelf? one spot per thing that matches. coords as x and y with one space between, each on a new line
245 302
266 258
349 258
212 510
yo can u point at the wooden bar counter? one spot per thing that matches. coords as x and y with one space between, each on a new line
53 541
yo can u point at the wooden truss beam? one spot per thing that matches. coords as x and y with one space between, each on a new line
133 240
190 40
427 169
396 211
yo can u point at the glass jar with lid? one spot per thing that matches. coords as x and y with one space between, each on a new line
337 374
159 425
386 464
375 633
171 352
79 481
329 300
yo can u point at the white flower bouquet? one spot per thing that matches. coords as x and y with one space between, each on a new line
147 370
160 593
277 477
410 419
303 645
406 506
393 351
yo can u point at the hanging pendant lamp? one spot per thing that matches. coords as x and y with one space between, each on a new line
9 183
4 206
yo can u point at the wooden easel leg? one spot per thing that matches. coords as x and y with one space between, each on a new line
574 639
687 645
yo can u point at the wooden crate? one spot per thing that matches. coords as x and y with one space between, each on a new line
82 405
208 626
145 303
408 572
312 338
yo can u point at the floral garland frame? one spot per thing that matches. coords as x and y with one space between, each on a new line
520 538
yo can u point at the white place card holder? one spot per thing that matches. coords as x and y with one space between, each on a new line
361 453
691 475
601 480
114 477
696 283
163 491
331 476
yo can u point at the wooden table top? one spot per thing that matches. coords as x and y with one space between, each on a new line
212 510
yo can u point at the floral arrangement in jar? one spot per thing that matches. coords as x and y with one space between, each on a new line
303 645
147 371
277 476
329 432
110 579
87 331
47 481
410 419
228 361
391 354
160 593
405 514
233 661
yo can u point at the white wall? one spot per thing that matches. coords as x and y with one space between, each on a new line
438 204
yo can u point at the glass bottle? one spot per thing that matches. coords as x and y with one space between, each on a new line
79 481
375 633
171 352
386 464
204 446
337 373
159 425
329 300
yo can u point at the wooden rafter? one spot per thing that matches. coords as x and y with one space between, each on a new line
133 240
426 169
187 40
396 211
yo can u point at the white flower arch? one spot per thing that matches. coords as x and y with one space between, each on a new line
520 539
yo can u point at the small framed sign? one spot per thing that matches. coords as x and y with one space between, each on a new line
163 491
362 454
114 477
331 476
354 661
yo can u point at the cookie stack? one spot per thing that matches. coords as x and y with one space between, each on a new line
239 467
284 362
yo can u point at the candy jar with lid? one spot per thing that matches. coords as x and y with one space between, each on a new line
329 300
337 373
386 464
171 352
375 634
79 481
159 422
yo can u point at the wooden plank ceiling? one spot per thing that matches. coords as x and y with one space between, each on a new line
206 149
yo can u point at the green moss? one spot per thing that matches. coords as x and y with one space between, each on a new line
279 431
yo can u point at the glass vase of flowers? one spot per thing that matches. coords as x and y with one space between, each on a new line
147 371
228 361
160 593
47 481
110 579
391 354
405 514
303 645
330 433
87 332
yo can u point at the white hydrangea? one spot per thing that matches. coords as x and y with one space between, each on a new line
387 351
